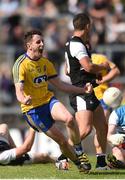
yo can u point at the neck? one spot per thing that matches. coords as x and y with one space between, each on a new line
32 56
80 34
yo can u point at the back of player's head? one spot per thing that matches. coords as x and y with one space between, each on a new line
28 35
80 21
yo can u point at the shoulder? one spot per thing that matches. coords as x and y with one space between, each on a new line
120 110
18 63
19 60
113 118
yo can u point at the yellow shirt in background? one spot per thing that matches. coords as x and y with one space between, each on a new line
34 75
98 59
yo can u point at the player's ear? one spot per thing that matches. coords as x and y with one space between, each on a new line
88 26
28 45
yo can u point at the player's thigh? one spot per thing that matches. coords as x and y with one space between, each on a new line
55 134
59 112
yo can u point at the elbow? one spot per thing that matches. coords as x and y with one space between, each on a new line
27 148
118 72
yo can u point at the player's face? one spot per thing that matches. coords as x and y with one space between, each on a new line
36 45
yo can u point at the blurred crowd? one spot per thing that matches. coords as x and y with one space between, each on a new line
54 18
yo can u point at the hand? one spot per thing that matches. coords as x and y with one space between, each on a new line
27 100
88 88
99 81
116 139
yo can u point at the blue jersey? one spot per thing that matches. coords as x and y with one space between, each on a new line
117 118
121 115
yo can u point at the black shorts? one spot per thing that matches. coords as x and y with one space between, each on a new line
87 101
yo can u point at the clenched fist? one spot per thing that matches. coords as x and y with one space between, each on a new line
88 88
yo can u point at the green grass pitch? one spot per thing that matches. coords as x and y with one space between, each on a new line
48 171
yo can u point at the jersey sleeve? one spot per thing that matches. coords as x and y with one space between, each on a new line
18 73
78 50
51 71
113 118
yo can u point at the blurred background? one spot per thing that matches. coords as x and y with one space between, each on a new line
54 18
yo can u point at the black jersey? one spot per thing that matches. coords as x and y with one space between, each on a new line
77 74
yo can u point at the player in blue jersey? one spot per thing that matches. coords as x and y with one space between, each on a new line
116 136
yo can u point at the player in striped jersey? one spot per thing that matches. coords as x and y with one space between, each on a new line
81 70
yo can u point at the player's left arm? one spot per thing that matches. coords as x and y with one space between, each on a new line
68 88
113 72
63 86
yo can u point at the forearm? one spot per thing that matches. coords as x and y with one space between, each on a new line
20 92
21 96
68 88
27 145
110 76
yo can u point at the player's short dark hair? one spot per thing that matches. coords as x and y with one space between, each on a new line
80 21
28 35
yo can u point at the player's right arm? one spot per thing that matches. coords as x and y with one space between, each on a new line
92 68
81 54
19 80
19 87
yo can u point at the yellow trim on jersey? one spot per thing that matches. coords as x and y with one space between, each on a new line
98 59
34 75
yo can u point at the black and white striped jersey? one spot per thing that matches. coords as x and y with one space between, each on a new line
75 50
